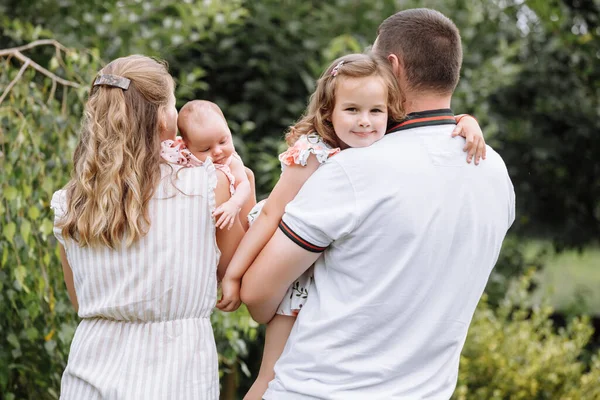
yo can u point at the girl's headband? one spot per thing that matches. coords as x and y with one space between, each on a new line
112 81
336 69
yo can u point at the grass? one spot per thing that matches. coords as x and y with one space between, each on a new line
572 279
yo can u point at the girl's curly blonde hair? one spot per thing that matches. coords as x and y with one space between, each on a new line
117 160
322 102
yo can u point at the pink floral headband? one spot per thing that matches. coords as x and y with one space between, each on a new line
336 69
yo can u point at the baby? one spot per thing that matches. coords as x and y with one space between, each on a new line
204 133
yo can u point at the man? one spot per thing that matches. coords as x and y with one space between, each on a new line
411 233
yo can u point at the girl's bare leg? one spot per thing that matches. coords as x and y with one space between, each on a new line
278 331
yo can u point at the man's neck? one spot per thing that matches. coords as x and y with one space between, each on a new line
424 102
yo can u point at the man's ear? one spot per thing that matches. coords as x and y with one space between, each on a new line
396 64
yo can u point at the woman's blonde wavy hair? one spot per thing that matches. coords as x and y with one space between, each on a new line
117 160
322 102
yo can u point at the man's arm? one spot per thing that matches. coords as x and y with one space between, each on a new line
262 230
322 212
274 270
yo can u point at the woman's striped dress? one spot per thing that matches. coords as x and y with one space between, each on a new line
145 310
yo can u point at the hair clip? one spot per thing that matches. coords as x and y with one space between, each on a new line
336 69
113 81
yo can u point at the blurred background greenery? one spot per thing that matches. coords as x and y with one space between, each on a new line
530 75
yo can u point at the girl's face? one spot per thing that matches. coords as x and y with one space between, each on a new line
168 122
359 117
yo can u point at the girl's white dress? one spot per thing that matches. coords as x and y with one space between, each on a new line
145 329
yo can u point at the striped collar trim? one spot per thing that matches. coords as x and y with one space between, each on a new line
443 116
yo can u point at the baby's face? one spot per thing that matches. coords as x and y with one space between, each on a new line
211 138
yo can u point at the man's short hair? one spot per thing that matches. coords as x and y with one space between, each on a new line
428 44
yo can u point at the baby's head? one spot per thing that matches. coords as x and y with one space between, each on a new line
205 132
353 100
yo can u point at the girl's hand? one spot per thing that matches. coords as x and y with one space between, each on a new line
230 299
228 211
468 127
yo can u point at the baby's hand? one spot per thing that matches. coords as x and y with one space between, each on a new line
228 211
230 299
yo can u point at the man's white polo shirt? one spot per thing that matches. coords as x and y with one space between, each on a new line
411 233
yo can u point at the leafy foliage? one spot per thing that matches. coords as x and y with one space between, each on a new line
529 76
36 139
550 138
118 28
513 261
513 352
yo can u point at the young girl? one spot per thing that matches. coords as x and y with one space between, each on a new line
353 101
204 134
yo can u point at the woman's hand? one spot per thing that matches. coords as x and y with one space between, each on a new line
468 127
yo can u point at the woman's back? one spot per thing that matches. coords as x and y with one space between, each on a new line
145 309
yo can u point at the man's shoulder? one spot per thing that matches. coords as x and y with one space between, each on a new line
493 159
389 148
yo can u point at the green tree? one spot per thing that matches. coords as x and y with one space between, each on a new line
548 118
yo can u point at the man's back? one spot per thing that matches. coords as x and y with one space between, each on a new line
414 233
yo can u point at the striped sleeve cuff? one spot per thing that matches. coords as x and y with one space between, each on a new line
306 245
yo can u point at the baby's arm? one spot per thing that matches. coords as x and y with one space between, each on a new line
290 182
242 195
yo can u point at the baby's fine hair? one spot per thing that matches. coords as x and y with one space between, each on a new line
317 117
196 109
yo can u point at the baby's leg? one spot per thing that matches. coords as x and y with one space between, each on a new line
250 202
278 331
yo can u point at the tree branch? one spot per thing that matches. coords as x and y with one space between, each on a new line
52 91
12 83
44 71
28 62
31 45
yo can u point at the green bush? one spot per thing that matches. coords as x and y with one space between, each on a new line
515 258
516 352
37 121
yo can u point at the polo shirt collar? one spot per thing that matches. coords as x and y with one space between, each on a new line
443 116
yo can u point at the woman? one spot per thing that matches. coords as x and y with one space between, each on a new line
139 247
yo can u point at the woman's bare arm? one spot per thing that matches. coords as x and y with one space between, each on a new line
68 276
227 239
